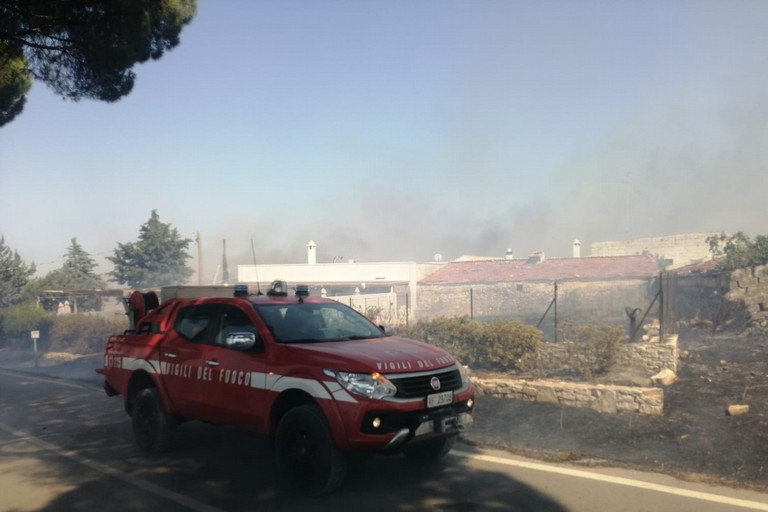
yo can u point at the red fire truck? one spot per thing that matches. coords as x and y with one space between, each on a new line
315 374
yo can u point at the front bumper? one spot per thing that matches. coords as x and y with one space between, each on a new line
410 426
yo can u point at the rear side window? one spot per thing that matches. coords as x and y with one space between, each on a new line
196 323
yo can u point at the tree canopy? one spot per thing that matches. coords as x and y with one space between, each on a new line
739 250
82 48
77 273
157 259
14 275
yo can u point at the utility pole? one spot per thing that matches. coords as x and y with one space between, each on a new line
199 240
224 266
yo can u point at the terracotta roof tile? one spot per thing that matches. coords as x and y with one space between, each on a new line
698 267
554 269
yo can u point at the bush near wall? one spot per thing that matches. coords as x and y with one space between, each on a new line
496 345
17 323
583 352
586 351
74 333
83 334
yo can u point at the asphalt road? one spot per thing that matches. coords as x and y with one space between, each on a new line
65 446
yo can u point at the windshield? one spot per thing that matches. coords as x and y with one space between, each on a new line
309 323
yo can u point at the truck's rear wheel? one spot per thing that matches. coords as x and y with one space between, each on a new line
307 457
430 450
152 426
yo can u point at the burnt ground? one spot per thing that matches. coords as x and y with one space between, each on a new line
694 439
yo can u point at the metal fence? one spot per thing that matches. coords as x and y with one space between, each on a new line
661 306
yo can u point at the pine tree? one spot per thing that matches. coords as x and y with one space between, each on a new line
157 259
82 49
14 275
77 273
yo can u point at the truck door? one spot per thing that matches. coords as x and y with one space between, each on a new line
234 393
182 356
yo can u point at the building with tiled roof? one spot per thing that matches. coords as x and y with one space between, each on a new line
546 270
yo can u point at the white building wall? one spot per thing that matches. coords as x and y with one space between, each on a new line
355 274
328 273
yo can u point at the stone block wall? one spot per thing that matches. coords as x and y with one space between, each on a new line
749 287
680 250
647 358
651 357
737 299
607 399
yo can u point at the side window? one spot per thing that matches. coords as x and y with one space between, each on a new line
233 320
196 323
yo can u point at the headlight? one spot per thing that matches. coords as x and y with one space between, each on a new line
371 385
464 374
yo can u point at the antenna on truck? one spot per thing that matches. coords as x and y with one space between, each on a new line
256 268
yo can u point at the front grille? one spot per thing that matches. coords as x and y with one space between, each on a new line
418 386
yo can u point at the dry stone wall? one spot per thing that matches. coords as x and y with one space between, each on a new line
736 299
749 287
680 250
607 399
647 358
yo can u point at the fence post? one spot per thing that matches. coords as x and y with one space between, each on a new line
662 316
555 299
471 304
407 308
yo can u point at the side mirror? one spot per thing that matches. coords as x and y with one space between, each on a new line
242 341
386 329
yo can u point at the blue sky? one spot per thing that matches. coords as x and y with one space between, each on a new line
397 130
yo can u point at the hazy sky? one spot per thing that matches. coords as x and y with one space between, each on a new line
395 130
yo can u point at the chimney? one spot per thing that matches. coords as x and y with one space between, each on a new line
535 258
576 248
311 253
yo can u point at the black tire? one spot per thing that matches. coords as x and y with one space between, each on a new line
307 457
430 450
152 426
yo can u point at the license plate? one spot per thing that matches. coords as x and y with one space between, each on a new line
439 399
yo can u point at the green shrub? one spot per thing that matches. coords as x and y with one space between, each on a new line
83 333
499 345
596 348
508 345
17 323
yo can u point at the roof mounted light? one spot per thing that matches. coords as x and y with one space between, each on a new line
241 290
302 290
278 288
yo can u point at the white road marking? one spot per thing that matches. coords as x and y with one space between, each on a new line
577 473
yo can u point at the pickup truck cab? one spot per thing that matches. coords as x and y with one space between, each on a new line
315 374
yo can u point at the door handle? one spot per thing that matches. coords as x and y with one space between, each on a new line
211 362
169 355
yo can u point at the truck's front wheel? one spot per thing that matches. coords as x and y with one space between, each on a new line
152 426
307 457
